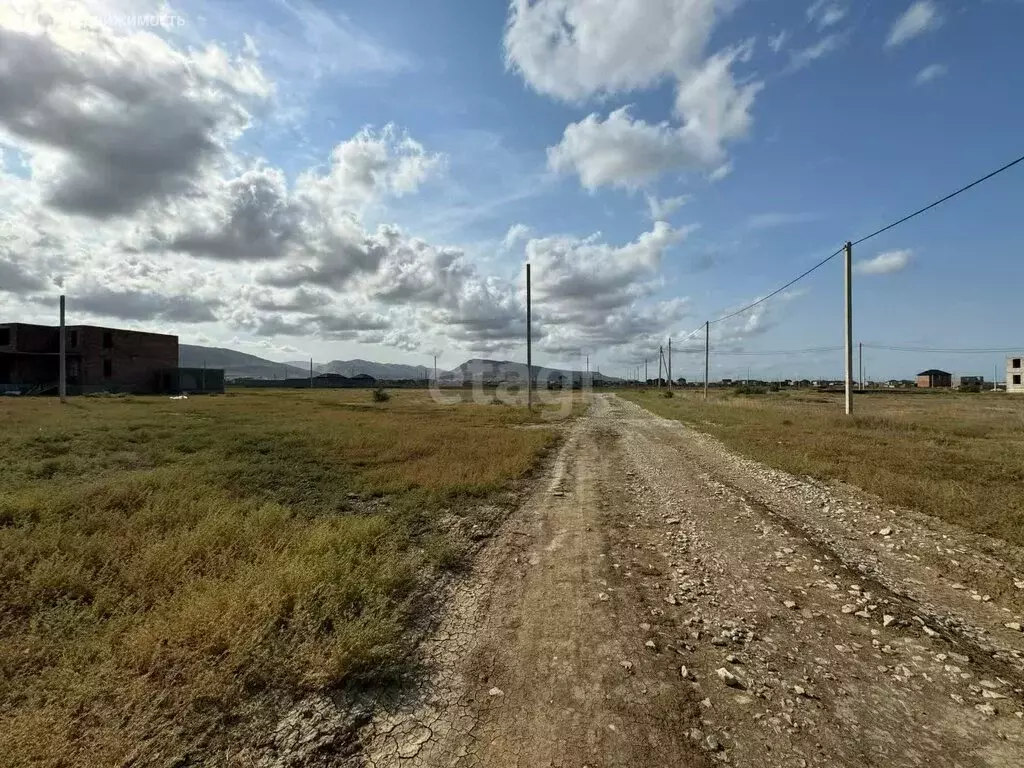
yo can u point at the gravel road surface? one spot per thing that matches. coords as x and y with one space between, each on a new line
659 601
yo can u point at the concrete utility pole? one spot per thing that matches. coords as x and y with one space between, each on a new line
849 326
529 346
707 355
435 369
645 370
62 381
661 359
311 373
860 363
670 362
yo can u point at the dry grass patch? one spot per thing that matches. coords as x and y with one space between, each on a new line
956 456
165 561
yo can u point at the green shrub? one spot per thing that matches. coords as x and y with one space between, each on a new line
380 395
668 393
749 389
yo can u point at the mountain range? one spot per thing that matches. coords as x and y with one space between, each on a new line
383 371
239 365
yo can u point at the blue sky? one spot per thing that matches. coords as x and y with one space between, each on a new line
285 219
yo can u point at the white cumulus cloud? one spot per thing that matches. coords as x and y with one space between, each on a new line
623 151
575 50
884 263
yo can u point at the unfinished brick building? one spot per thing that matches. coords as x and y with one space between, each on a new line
97 359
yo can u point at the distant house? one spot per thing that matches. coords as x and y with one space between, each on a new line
933 378
1013 374
972 381
97 359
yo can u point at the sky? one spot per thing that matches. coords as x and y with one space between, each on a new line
368 178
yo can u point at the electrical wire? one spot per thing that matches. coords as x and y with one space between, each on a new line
975 351
763 299
777 352
950 196
877 232
781 352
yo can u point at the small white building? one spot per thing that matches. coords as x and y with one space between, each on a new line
1014 371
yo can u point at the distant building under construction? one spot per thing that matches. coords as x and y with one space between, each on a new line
97 360
1014 371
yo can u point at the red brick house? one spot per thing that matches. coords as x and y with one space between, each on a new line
98 359
933 378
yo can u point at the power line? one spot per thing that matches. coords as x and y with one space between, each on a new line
776 352
781 352
950 196
877 232
933 350
763 299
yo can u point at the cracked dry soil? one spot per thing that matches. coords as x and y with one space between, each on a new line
659 601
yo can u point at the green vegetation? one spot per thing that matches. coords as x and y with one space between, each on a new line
956 456
165 561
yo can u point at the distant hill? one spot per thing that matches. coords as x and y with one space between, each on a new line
383 371
236 365
497 371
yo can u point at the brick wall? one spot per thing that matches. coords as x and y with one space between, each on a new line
123 361
31 338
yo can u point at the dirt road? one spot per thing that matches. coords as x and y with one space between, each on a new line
661 602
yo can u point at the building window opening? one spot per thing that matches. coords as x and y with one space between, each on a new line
108 340
108 369
1016 378
5 337
1016 362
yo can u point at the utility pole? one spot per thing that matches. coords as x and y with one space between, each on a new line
645 370
707 354
529 346
860 363
849 326
661 359
311 373
62 382
670 362
435 369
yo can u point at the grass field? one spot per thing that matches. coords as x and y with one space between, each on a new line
959 457
165 561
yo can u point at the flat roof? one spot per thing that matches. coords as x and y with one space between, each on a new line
79 326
